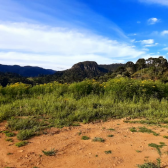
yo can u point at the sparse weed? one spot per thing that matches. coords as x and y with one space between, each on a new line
9 139
10 134
108 152
111 129
146 130
51 152
85 138
98 139
133 129
20 144
110 135
138 151
79 133
158 147
151 165
165 137
9 153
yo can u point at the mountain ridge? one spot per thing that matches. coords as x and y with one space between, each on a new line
26 71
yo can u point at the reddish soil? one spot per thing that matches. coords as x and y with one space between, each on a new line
73 152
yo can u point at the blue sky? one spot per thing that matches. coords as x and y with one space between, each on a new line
56 34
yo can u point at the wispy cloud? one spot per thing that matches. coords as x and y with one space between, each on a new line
165 32
51 46
165 48
152 21
148 43
161 2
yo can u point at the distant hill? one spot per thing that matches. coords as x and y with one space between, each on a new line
151 68
78 72
112 67
26 71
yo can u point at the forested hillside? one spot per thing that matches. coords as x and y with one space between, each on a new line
151 68
26 71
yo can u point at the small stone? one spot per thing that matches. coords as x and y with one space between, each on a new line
20 150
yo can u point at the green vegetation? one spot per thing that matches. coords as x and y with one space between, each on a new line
25 134
158 147
52 152
108 152
138 151
10 134
143 130
133 129
33 109
111 129
110 135
151 165
9 153
98 139
85 138
9 139
22 143
165 137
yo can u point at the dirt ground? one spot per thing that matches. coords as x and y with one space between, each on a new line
127 148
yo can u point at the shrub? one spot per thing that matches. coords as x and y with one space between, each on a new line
98 139
85 138
25 134
108 152
22 143
52 152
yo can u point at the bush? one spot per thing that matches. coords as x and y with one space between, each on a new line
22 143
25 134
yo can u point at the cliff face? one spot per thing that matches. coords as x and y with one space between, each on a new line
86 66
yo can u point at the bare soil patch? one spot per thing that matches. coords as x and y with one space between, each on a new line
127 148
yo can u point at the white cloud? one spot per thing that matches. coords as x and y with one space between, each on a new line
165 32
165 48
152 21
138 22
148 43
161 2
53 47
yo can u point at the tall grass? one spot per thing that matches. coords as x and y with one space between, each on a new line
62 104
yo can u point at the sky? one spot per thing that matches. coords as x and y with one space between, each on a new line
55 34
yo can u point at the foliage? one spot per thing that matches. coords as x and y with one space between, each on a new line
158 147
108 152
25 134
98 139
51 152
151 165
20 144
85 138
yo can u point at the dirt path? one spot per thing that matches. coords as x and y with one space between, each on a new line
128 148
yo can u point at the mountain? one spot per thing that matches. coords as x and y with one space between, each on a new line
26 71
78 72
112 67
